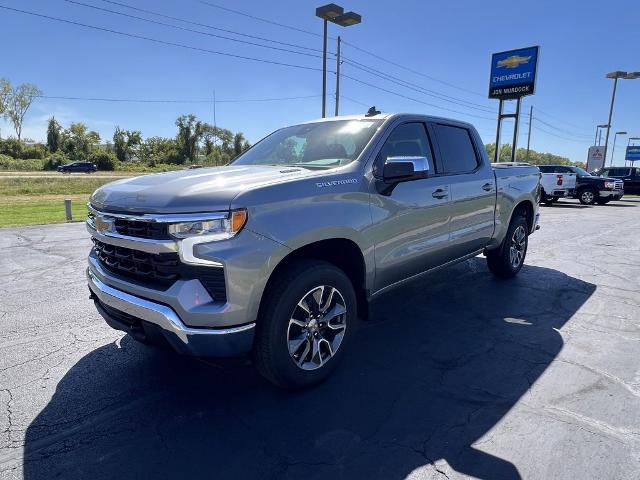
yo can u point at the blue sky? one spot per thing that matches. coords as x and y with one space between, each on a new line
449 43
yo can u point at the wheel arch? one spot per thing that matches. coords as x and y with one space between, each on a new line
344 253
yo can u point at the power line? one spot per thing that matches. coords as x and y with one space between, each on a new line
139 100
260 19
190 29
198 24
417 87
567 132
272 22
413 99
415 72
161 42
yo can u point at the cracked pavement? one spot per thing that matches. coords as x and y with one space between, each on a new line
458 375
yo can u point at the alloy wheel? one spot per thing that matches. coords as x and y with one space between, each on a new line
518 246
316 327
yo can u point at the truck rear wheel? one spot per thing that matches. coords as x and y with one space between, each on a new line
506 261
309 315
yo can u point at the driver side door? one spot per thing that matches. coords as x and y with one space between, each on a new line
410 227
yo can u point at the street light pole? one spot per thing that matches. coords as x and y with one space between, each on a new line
529 134
324 70
613 150
615 76
335 14
338 75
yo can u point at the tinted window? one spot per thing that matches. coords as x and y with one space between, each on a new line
563 170
407 140
456 149
545 168
617 172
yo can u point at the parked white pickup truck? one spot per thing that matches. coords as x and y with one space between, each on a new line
556 185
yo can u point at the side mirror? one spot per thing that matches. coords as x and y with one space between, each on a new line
404 169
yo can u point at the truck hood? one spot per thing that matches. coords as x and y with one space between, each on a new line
190 191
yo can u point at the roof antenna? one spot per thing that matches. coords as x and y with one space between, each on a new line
372 112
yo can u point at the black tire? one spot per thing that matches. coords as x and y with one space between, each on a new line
546 199
603 201
588 196
500 261
272 344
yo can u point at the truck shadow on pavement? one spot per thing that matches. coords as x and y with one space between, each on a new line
441 362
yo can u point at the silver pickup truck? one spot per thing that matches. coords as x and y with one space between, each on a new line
279 252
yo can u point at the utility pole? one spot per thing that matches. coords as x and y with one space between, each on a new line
529 134
338 75
324 72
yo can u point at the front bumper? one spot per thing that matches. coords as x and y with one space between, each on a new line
613 194
142 317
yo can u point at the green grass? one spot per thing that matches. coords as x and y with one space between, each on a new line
62 185
38 212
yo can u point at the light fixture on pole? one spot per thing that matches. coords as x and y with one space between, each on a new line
613 150
596 141
615 76
335 14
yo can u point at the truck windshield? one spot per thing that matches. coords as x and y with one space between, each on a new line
317 145
581 172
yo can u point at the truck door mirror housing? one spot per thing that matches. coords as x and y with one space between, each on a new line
403 169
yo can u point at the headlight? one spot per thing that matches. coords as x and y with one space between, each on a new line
210 230
610 185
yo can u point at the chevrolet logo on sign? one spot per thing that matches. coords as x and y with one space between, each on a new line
103 224
513 61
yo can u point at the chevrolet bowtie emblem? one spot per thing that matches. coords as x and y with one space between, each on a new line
514 61
103 225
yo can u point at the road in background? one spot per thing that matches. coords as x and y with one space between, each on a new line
457 374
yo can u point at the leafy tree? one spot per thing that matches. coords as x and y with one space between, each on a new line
156 150
103 159
238 141
78 141
5 93
125 143
189 133
54 135
19 101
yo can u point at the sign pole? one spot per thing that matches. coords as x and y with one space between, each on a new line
514 145
496 155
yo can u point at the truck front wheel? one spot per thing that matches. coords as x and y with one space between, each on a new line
506 261
310 313
588 196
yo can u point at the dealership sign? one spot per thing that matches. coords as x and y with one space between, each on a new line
513 73
633 153
595 158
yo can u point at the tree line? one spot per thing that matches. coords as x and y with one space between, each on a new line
195 141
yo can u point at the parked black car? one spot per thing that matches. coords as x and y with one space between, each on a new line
79 167
589 189
629 175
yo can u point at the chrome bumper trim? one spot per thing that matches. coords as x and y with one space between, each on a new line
160 315
135 243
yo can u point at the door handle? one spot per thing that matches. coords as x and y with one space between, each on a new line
487 187
440 193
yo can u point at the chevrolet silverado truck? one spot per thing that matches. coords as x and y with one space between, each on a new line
277 254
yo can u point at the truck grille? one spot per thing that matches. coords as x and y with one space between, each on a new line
618 185
133 228
158 271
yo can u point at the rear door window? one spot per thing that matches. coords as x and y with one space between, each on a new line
457 153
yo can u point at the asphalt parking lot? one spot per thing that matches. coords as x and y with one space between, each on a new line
459 375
